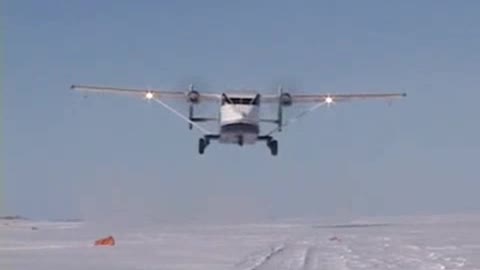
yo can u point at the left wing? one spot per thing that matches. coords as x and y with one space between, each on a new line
189 96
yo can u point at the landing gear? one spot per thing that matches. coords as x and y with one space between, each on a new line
271 143
205 141
240 140
273 146
202 144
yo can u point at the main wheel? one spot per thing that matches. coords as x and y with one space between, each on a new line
273 145
202 144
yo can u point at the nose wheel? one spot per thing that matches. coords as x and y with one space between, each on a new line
240 140
273 146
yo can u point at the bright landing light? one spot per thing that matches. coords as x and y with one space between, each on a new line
149 95
328 100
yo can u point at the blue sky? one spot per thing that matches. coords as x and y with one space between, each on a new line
107 156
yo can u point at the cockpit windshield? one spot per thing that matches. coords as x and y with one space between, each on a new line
241 100
244 101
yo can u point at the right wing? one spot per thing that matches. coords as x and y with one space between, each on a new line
150 93
288 98
296 98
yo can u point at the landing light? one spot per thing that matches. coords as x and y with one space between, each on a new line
149 95
328 100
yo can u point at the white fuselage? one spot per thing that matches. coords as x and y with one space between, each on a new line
239 123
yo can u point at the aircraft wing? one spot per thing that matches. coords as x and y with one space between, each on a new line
287 98
149 93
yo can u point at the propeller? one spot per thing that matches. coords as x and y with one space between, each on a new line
193 98
282 88
280 108
191 88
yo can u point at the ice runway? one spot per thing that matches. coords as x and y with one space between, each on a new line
448 242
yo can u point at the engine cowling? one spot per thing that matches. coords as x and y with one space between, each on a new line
285 99
193 96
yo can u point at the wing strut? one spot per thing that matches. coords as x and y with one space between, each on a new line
166 106
296 118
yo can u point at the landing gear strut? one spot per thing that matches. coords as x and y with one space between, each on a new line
202 144
273 146
205 141
240 140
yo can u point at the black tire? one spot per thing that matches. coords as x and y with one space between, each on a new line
202 143
273 145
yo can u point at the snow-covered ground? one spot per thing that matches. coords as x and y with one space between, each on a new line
447 242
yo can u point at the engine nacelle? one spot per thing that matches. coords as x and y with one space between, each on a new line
285 99
193 96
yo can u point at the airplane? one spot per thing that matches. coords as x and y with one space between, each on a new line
239 113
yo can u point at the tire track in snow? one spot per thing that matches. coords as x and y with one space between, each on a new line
309 259
291 257
265 259
299 255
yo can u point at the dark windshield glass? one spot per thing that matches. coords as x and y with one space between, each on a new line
244 101
240 101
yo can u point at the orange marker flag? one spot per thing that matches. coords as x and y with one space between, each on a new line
108 241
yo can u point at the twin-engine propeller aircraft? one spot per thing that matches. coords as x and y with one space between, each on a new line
239 114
